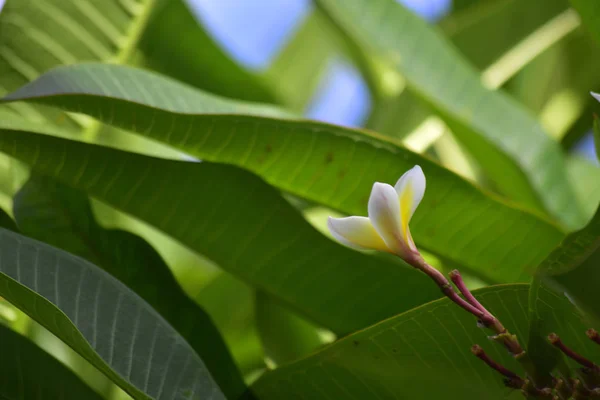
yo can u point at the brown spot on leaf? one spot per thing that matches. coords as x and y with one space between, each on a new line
342 173
328 158
268 148
355 342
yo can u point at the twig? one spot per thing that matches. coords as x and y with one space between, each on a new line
556 342
593 335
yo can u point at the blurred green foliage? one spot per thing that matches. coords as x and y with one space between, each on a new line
163 208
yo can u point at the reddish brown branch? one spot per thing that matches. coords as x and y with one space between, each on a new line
471 305
556 342
456 278
513 380
593 335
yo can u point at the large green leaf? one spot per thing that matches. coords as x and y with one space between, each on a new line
330 165
27 372
500 37
177 45
102 320
237 220
38 35
556 85
551 311
488 29
573 267
579 128
235 318
590 14
62 217
507 141
569 272
299 68
402 356
7 222
491 35
585 176
285 335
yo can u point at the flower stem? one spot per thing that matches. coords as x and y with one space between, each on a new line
484 316
593 335
513 378
452 295
556 342
460 284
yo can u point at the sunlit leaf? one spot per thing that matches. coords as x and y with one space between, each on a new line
176 44
61 216
590 14
596 130
238 221
235 318
568 275
402 356
102 320
36 36
572 267
486 30
330 165
7 222
27 372
556 84
492 35
297 70
285 336
585 176
508 142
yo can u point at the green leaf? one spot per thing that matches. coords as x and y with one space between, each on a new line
299 68
597 136
579 128
568 275
555 85
326 164
552 312
590 15
461 5
235 319
7 222
102 320
237 220
177 45
585 176
49 211
36 36
402 356
500 37
486 30
27 372
285 335
572 267
508 142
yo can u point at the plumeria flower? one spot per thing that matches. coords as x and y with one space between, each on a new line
390 210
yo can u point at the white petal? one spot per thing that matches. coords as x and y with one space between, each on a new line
356 232
384 214
410 188
595 95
